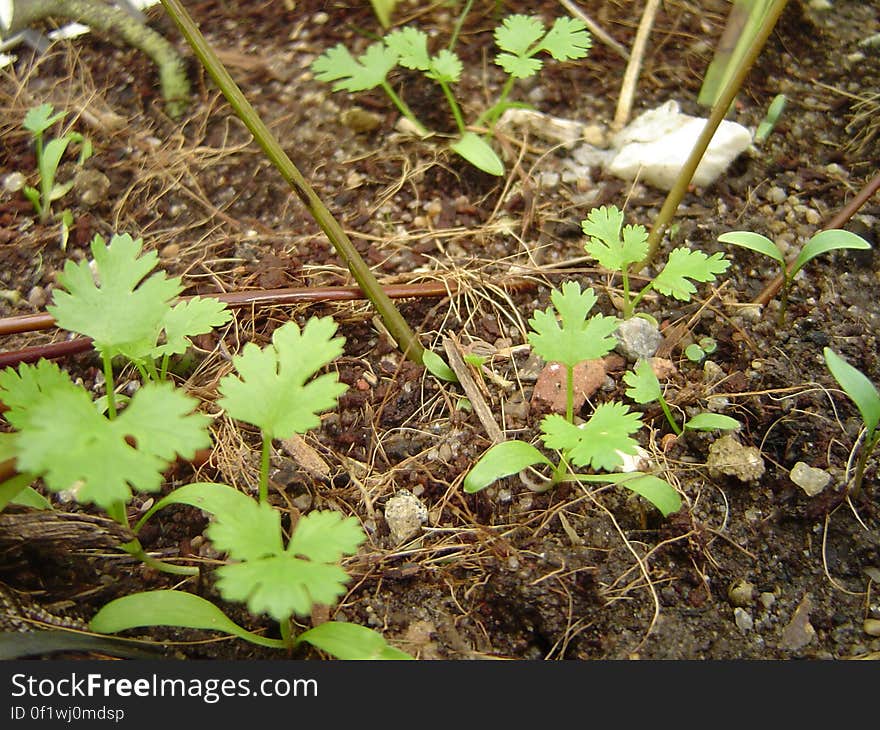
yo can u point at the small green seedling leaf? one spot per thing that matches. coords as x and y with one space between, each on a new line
643 384
355 74
410 46
64 439
437 366
270 390
857 386
521 37
833 239
576 338
567 40
123 310
216 499
502 460
350 642
753 242
39 118
16 490
518 34
774 112
657 491
171 608
711 422
284 581
479 153
613 252
694 353
683 265
189 318
600 441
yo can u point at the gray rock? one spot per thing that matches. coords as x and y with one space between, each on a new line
729 457
405 515
637 339
810 479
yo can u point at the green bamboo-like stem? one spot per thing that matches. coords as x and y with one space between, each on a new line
718 112
394 321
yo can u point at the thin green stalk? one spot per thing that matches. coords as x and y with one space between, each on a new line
718 112
668 413
286 633
394 321
453 105
458 24
264 467
490 116
862 464
134 548
569 394
109 384
404 108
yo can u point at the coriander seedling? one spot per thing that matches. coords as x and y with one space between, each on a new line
832 239
521 39
38 121
617 247
564 333
272 578
863 393
271 390
699 351
644 387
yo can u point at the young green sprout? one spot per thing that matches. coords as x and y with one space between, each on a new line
644 387
564 333
617 247
521 39
863 393
832 239
38 121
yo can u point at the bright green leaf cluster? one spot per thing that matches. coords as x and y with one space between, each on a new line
271 389
126 309
599 443
522 37
64 439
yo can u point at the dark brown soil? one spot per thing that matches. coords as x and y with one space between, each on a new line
506 573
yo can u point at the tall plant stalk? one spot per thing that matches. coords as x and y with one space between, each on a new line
394 321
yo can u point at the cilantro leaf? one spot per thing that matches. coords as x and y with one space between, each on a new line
518 33
517 66
355 74
281 585
252 532
684 264
270 390
578 338
445 67
196 316
568 39
122 312
39 118
603 226
644 386
597 443
279 582
63 438
411 47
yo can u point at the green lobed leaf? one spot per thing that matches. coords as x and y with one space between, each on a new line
568 39
685 264
599 442
857 386
355 74
281 585
270 390
123 311
753 242
479 153
445 67
577 338
170 608
502 460
518 33
64 439
39 118
196 316
832 239
711 422
517 66
348 641
411 48
250 533
325 536
613 252
643 384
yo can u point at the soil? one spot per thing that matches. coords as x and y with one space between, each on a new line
752 569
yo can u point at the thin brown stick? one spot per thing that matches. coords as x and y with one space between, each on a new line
631 75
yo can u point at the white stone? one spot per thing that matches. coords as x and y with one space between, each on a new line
405 514
808 478
655 146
